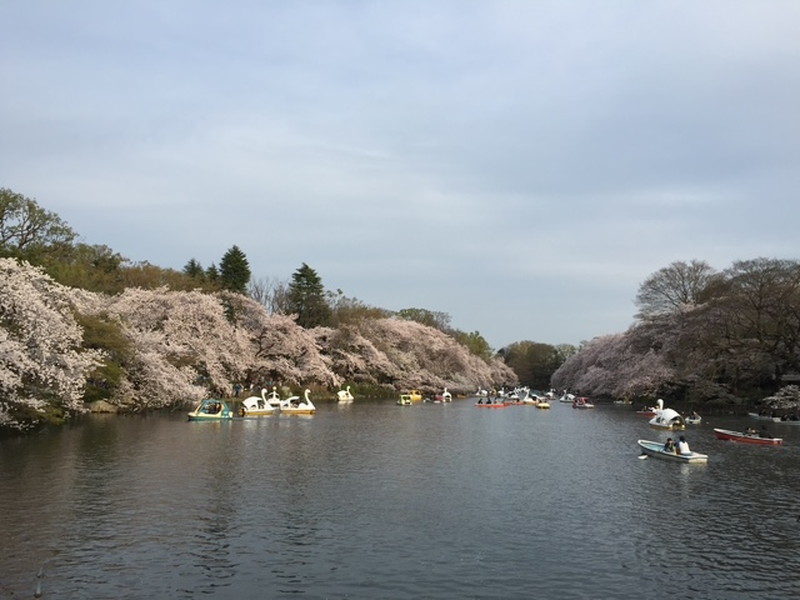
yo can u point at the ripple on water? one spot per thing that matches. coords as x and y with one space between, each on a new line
426 501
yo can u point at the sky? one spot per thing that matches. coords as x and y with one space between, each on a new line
522 166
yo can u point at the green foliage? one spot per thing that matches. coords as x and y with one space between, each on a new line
107 336
351 311
564 351
212 273
149 277
28 231
306 298
474 342
95 268
194 270
437 320
534 363
234 271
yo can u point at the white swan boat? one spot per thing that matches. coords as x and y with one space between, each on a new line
668 419
274 399
257 406
344 396
293 405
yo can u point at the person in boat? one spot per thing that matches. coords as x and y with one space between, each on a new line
751 431
764 433
669 445
683 446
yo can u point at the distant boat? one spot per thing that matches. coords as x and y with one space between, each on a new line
651 411
411 397
211 409
344 396
761 417
747 438
490 404
582 402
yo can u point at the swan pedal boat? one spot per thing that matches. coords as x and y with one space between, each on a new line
656 450
293 406
747 438
211 409
344 396
668 419
257 406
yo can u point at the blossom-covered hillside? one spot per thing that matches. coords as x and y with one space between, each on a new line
406 354
159 348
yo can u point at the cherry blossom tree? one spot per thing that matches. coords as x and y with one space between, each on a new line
177 347
43 368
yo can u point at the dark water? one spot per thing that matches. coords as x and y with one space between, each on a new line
381 501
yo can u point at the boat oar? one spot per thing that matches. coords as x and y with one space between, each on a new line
642 456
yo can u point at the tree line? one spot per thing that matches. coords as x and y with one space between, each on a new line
700 336
81 325
31 233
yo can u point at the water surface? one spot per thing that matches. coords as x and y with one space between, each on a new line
374 500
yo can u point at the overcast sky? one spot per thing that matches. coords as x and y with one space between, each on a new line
519 165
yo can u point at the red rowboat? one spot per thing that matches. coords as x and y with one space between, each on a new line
747 438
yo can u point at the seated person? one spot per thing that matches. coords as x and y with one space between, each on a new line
669 446
683 446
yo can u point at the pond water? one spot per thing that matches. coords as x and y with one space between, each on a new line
374 500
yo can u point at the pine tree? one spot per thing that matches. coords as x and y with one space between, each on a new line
306 298
194 270
234 271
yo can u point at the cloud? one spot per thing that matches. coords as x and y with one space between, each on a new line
520 166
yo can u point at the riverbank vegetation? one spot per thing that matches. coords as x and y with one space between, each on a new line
702 336
82 327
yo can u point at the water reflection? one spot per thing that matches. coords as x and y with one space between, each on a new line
427 501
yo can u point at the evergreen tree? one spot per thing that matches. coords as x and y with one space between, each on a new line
306 298
234 271
194 270
212 273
